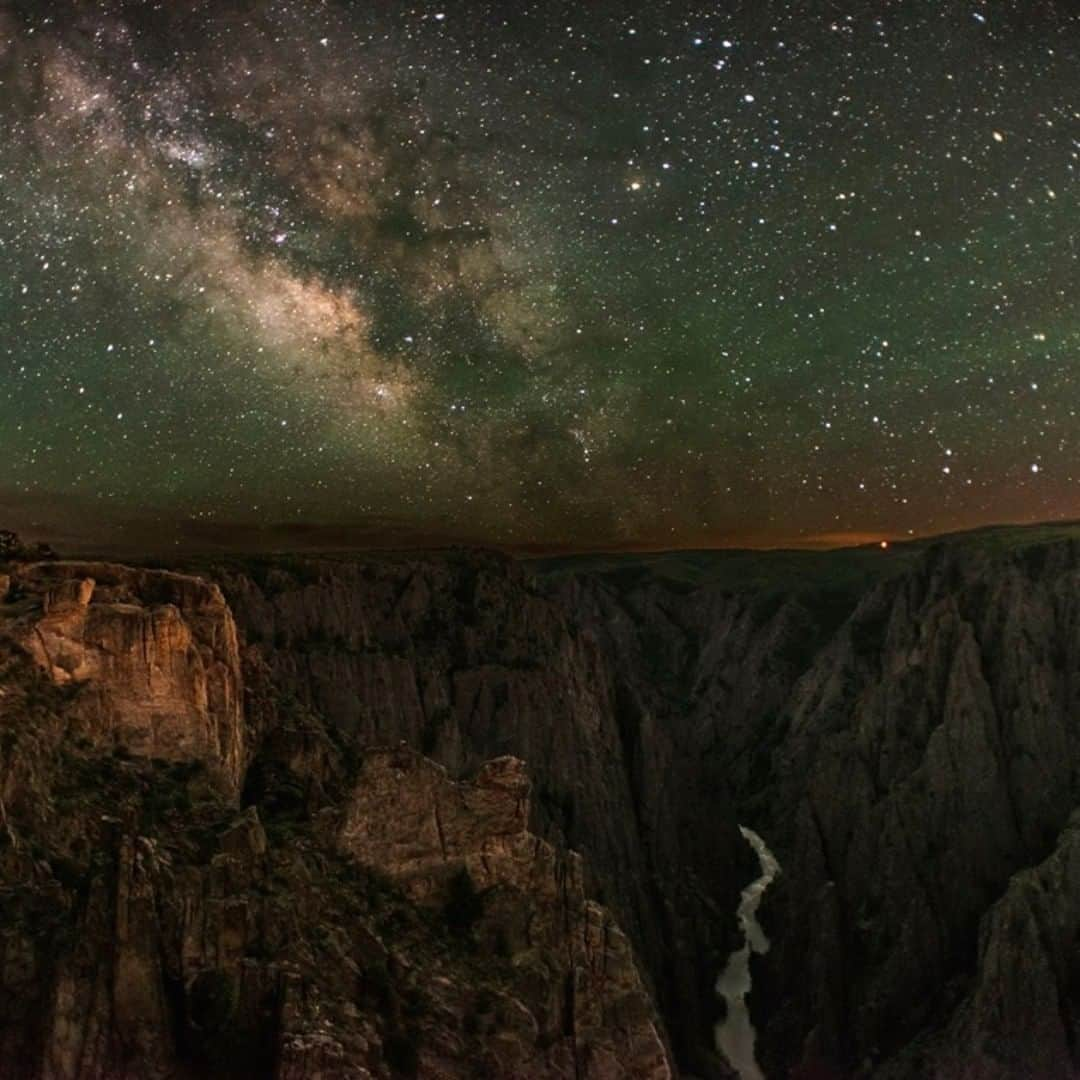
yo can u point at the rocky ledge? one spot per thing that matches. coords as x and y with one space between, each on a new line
153 655
465 848
200 877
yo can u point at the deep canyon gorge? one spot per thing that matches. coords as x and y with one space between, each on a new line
452 814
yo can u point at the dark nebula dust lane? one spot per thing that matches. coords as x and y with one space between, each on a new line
551 275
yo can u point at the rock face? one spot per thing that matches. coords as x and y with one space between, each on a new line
234 902
912 756
932 753
202 831
153 655
465 847
465 657
1021 1014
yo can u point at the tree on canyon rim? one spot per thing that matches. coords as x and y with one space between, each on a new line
12 548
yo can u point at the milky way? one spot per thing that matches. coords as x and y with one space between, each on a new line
538 274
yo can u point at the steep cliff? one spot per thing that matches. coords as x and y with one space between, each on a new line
931 753
910 750
153 655
465 657
202 827
191 889
465 849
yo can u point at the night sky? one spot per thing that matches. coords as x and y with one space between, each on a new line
537 274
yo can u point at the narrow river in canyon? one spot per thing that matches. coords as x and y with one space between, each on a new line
735 1035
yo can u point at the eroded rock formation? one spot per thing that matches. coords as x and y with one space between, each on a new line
153 655
465 656
466 848
191 888
907 747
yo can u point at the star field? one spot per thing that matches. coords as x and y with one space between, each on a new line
548 274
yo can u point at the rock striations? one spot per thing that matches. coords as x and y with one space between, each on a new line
932 752
911 752
465 848
198 877
154 654
316 817
463 656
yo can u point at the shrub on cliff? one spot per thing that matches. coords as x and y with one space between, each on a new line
464 904
13 549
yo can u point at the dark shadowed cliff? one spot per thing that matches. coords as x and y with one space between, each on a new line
203 876
334 804
911 748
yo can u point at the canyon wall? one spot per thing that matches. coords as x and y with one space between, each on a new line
465 657
931 756
332 802
911 751
202 878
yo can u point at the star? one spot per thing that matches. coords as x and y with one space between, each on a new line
771 279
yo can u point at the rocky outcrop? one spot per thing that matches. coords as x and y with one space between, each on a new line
153 655
907 749
466 657
156 922
438 827
465 848
1021 1016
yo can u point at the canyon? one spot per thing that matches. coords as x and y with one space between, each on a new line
455 814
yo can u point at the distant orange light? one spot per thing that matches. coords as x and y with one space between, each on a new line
884 544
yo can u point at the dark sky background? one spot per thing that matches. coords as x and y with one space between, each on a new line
537 274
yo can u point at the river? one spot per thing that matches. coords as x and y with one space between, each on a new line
735 1036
